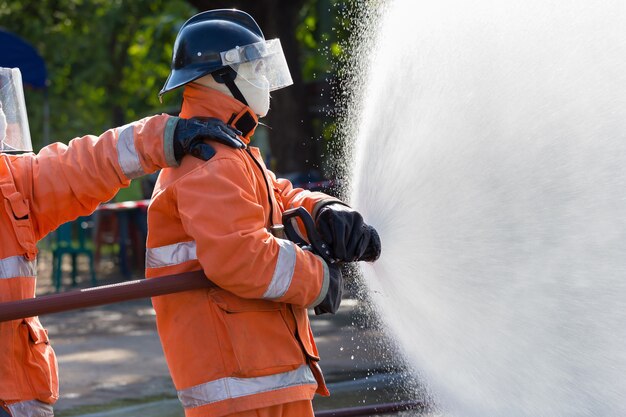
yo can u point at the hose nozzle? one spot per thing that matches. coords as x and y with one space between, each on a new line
372 253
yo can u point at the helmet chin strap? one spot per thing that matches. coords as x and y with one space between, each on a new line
227 76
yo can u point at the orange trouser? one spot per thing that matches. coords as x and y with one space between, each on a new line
294 409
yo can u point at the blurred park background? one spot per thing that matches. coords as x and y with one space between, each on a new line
91 65
99 64
106 60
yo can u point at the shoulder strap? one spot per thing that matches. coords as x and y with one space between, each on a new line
9 191
17 209
243 121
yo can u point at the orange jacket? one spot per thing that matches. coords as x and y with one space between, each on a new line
40 192
246 343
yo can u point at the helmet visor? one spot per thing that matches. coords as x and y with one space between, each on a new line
14 130
263 64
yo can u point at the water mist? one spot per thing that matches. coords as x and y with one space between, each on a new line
491 156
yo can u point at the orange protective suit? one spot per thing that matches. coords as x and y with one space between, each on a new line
40 192
245 343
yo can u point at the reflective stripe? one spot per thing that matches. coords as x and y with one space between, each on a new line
229 388
323 203
168 141
325 283
17 266
127 154
31 408
171 254
283 273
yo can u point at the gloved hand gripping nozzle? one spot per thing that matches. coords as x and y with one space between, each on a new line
315 244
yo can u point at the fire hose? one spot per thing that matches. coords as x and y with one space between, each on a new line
154 287
376 409
105 294
131 290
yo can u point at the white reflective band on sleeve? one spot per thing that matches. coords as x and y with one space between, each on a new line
283 273
31 408
127 154
17 266
325 283
168 141
171 254
228 388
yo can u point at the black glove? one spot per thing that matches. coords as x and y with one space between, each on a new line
330 303
190 136
349 238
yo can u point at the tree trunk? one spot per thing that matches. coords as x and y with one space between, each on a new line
291 129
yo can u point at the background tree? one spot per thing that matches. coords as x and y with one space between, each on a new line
291 140
106 59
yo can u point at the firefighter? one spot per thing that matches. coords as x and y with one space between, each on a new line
243 347
40 192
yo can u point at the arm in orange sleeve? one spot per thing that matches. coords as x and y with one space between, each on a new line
71 180
219 210
298 197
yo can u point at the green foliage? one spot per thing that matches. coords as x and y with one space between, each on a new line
325 31
322 32
106 59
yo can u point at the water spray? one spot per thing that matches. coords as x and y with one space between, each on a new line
491 157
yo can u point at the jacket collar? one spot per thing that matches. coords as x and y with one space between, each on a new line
201 101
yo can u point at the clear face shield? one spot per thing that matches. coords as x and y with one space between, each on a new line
14 130
262 64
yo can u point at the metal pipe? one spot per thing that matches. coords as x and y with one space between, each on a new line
105 294
370 410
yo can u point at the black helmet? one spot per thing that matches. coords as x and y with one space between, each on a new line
201 40
226 43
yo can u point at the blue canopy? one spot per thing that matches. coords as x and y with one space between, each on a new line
16 53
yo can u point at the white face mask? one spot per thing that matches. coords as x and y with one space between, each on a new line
258 98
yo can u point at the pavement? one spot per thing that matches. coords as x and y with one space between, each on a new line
110 357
